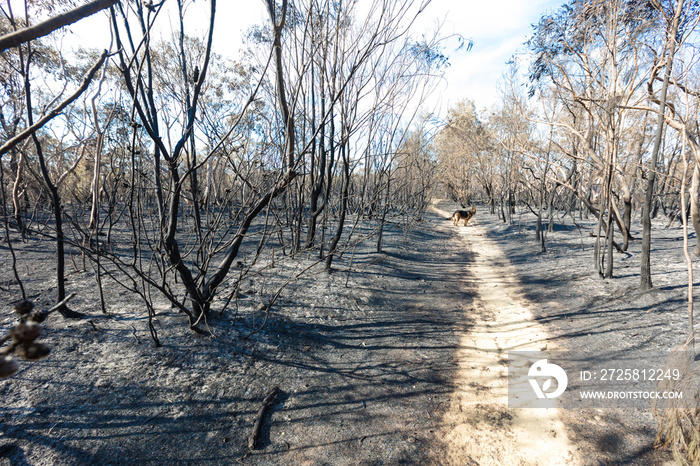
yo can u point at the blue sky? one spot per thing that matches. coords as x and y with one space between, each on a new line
498 29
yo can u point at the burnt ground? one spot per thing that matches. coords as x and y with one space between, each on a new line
365 358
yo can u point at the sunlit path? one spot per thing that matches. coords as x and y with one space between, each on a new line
479 426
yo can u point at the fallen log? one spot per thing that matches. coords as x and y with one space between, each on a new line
269 398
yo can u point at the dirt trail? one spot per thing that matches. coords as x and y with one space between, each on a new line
479 425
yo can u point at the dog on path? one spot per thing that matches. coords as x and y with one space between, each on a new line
463 215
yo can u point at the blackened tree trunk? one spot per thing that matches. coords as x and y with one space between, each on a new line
382 217
317 181
332 249
56 205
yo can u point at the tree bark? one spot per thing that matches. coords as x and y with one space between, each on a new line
694 213
343 207
645 271
316 183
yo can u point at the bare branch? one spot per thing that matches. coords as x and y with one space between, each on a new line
56 111
50 25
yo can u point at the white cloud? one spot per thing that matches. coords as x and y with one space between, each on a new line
498 29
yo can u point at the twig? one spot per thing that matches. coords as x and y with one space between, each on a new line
253 439
134 334
61 304
149 419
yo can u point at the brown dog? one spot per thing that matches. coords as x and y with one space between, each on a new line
463 214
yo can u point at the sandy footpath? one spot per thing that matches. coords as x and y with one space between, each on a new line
480 428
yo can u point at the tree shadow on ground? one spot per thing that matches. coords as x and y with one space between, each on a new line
364 375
